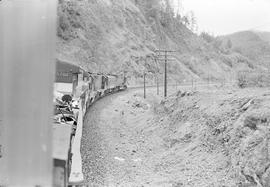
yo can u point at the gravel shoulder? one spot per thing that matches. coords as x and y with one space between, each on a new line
216 137
115 151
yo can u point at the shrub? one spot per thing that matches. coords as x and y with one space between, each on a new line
253 79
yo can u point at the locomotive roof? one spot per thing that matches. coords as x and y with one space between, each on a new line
62 66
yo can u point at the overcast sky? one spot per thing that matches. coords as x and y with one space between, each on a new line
227 16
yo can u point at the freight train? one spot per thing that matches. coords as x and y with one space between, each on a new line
74 91
72 79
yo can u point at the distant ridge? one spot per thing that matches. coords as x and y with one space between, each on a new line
263 35
252 44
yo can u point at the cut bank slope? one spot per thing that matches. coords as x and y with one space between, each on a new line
217 138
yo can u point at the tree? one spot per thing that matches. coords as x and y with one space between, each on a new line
229 44
193 22
179 7
207 37
186 21
190 21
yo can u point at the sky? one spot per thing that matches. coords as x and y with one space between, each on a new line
220 17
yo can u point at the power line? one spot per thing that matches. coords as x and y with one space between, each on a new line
166 52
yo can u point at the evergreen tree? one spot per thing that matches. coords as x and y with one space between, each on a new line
229 44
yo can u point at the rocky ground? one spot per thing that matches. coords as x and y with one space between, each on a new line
211 137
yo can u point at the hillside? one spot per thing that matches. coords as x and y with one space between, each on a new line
264 35
215 138
122 36
254 45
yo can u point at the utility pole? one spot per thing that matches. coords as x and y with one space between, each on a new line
165 69
165 75
144 79
208 80
144 86
144 74
157 78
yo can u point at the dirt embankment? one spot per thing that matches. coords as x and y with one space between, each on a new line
218 138
208 138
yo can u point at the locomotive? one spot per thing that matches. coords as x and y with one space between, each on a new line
73 80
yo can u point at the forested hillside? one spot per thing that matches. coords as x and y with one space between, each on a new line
122 35
254 45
